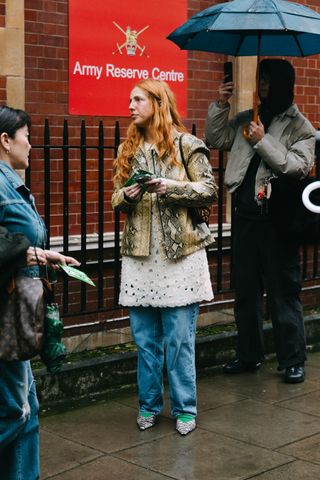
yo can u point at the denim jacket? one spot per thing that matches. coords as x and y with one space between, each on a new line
18 212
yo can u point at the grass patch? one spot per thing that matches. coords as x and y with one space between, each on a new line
127 347
214 330
90 354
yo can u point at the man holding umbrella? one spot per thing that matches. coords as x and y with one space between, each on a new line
278 145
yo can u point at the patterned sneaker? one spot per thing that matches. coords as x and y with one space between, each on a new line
146 420
185 423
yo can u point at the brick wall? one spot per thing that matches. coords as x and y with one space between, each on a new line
46 35
46 76
46 60
3 90
308 78
3 81
2 13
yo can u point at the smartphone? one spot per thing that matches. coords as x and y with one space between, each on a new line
143 178
139 176
227 69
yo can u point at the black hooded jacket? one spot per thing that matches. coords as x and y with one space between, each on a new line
281 89
280 98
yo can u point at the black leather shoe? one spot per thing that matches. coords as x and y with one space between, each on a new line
237 366
294 374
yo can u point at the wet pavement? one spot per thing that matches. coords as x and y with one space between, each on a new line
249 426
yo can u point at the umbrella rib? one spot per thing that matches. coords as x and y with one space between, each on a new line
298 45
280 14
239 46
235 38
188 40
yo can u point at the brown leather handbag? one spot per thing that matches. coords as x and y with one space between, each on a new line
22 310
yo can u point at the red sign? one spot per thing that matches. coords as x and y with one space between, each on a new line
115 44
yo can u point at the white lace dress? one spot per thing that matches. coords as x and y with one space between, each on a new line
156 281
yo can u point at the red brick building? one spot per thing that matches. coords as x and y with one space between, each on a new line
34 73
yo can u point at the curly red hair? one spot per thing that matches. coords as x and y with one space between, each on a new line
165 120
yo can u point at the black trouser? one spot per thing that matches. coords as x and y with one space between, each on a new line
264 260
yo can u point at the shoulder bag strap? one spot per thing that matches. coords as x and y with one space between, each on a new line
47 286
182 155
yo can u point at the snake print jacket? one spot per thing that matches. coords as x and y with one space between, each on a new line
194 188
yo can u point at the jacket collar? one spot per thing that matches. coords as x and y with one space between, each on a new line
141 148
12 176
291 112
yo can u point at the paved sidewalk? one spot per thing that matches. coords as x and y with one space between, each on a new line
250 426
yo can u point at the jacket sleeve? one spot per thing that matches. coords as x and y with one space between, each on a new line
219 131
294 159
201 189
119 201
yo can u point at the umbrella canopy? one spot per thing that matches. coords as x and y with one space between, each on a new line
252 27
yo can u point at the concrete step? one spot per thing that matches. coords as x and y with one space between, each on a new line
83 379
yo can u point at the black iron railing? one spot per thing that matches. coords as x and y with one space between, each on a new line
102 261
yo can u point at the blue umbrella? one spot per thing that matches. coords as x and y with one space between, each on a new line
252 27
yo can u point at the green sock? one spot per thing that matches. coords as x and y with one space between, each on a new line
146 414
185 417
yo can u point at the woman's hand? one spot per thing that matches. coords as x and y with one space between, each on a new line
132 192
256 131
225 92
157 185
33 253
54 259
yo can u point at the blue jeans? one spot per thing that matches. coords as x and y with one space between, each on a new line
19 425
177 327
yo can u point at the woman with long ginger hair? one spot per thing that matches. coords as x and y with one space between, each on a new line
164 266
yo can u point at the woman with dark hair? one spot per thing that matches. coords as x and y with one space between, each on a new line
281 145
22 241
164 265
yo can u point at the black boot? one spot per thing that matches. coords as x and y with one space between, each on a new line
294 374
238 366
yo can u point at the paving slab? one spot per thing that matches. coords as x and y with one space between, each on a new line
314 359
308 403
59 454
109 468
209 396
266 385
312 372
292 471
203 455
259 424
106 427
306 449
250 426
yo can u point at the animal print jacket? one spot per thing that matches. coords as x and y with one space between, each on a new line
194 188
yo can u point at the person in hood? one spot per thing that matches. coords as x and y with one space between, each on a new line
279 145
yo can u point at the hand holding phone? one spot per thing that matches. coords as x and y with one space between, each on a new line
227 69
139 176
143 178
226 87
156 185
